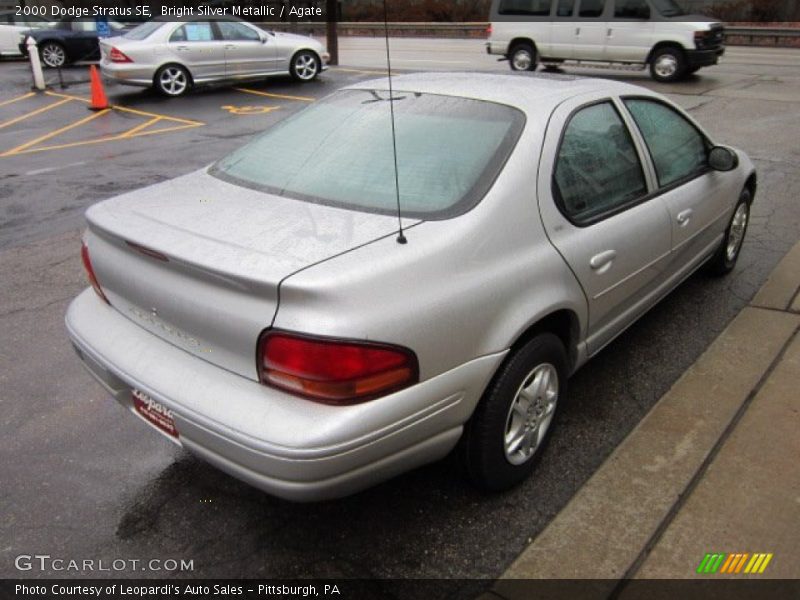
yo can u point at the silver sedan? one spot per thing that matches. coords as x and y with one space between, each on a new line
266 314
172 56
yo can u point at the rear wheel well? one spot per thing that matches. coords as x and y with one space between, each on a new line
563 324
173 64
521 40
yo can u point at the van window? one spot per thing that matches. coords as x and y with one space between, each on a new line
535 8
631 9
592 8
565 8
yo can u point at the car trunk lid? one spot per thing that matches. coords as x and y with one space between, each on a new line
198 261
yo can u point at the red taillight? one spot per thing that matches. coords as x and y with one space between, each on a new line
87 264
334 371
117 56
489 30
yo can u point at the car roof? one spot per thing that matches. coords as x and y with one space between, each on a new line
530 93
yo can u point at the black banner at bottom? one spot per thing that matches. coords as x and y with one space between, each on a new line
427 589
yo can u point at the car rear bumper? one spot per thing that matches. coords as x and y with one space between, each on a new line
127 74
284 445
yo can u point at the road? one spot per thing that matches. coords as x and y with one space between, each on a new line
82 479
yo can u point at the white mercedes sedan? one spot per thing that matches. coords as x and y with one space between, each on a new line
266 314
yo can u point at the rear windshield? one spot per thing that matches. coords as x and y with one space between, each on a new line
339 152
143 31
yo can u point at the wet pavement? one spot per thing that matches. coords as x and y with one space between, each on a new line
82 479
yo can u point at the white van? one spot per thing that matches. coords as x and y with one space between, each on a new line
620 32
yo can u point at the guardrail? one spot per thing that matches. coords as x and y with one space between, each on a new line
753 36
734 35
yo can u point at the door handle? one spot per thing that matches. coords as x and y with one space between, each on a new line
230 46
183 47
684 216
609 32
577 31
602 262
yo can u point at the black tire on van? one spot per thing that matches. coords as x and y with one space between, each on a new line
668 64
522 57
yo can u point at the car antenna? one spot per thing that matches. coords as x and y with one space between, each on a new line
401 239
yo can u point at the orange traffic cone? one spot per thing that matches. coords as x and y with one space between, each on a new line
99 100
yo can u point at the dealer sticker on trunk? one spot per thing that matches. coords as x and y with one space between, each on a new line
154 413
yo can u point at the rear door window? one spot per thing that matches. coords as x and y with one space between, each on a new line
598 171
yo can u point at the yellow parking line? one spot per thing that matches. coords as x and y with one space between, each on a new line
32 113
110 138
268 95
132 132
134 111
165 129
47 136
17 99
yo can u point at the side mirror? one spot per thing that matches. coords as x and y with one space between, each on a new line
263 37
721 158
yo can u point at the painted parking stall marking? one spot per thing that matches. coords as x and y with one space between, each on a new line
132 124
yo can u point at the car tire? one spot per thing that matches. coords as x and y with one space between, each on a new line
504 438
724 259
522 57
172 81
53 55
305 66
668 64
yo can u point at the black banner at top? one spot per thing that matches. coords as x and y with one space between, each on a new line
428 11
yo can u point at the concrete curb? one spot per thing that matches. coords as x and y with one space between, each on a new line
610 526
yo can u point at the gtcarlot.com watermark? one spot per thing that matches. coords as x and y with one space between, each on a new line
45 562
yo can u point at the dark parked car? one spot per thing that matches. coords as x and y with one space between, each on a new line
70 40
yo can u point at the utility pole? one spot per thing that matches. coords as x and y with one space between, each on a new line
332 18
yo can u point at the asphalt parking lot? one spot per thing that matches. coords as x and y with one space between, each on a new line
81 479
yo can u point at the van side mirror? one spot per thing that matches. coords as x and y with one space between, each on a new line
721 158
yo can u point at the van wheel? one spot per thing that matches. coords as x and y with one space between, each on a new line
505 436
667 64
522 57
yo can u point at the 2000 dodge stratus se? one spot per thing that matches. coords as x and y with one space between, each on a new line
261 312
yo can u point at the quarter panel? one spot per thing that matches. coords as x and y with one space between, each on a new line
459 289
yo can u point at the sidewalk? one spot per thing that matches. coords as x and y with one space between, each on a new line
714 468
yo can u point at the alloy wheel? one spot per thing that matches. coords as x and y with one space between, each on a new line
173 81
53 55
530 413
305 66
736 233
